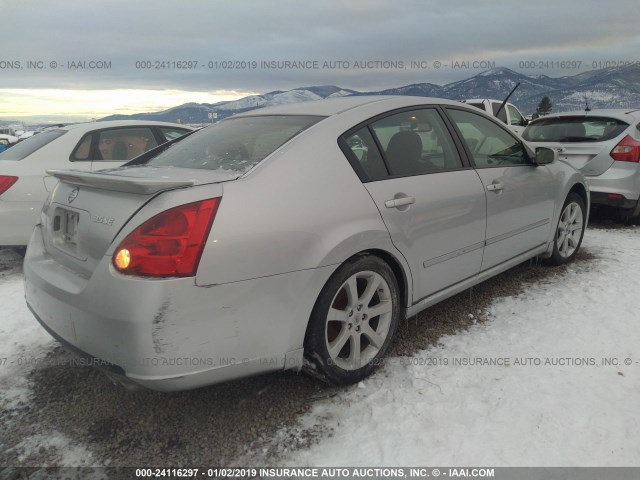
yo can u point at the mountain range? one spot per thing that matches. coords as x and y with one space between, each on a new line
614 87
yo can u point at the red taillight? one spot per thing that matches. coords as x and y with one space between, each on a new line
169 244
6 182
628 150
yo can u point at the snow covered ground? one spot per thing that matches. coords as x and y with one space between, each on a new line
552 378
563 390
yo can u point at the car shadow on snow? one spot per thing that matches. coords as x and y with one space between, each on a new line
10 261
218 424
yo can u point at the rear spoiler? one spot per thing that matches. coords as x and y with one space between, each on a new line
116 183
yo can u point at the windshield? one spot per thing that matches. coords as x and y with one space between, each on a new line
574 129
236 144
27 147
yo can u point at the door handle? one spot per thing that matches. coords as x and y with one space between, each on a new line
399 202
495 187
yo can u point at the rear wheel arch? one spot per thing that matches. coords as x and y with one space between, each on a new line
318 359
398 271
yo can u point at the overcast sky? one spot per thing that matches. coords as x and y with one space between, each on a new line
119 33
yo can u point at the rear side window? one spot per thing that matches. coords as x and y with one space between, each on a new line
366 152
236 144
30 145
416 142
122 144
114 144
574 129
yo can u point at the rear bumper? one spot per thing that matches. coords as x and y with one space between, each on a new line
171 334
615 200
17 220
623 179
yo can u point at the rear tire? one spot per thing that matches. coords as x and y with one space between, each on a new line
353 322
569 231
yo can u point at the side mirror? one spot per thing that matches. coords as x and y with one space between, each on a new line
545 156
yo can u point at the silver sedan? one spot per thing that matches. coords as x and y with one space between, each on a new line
294 237
605 146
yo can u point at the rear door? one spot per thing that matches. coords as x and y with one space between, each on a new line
432 204
520 195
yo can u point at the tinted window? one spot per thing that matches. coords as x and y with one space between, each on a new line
122 144
574 129
171 133
477 105
502 115
416 142
489 143
25 148
515 117
83 150
366 152
235 144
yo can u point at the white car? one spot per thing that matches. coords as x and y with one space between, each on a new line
509 114
24 185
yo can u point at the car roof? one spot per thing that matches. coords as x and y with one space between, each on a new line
121 123
625 114
337 105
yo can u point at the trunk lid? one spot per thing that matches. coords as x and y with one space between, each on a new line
86 210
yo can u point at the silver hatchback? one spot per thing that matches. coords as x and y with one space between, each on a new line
293 237
605 146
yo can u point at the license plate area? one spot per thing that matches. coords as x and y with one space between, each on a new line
67 227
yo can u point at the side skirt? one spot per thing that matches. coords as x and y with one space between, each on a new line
471 281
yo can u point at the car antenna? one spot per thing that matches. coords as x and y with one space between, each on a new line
505 100
587 108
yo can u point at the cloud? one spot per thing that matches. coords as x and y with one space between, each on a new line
125 32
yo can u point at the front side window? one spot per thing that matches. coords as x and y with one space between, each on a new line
489 143
235 144
416 142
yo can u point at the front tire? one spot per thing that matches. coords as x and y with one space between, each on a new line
353 322
569 231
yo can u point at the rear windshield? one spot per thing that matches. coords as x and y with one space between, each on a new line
574 129
236 144
26 147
